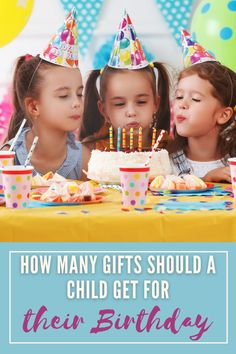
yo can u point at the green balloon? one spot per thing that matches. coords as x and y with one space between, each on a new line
214 27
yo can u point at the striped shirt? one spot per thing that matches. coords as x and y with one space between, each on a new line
182 165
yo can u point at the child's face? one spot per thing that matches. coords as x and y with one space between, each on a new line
196 110
61 103
129 101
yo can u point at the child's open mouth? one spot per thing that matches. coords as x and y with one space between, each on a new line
180 119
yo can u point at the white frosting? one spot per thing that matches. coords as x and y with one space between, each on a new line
104 166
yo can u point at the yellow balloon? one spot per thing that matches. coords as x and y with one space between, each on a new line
14 14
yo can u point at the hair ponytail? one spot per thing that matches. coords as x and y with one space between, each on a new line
18 112
26 83
163 113
92 118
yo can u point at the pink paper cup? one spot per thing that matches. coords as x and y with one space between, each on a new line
6 159
134 184
16 185
232 165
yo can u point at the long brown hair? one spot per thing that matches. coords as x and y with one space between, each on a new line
223 81
27 80
92 118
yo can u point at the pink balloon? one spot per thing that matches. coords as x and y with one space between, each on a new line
124 22
70 39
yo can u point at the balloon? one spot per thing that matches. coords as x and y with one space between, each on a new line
14 14
70 24
125 57
120 35
124 22
214 27
64 35
124 43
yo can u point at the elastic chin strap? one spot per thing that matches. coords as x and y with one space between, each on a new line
33 75
156 73
98 81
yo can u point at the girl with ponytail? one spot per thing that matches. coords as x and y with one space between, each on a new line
125 98
47 91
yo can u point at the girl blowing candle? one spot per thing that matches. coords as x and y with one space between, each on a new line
204 114
127 94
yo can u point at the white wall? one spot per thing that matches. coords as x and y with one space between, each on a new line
48 15
149 24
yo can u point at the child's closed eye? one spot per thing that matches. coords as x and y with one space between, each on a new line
63 96
196 100
119 104
141 102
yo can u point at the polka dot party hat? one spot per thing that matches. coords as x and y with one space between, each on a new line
63 46
127 52
193 52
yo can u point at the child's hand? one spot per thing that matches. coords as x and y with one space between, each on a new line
218 175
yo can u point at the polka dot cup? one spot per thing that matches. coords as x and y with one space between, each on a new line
134 184
16 185
6 159
232 164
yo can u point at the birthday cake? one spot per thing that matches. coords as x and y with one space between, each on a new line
103 166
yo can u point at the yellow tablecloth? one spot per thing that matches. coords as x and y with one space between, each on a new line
106 222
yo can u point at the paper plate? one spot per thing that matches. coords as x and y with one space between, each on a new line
101 182
35 203
183 191
41 187
41 190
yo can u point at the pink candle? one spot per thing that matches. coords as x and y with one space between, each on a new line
155 146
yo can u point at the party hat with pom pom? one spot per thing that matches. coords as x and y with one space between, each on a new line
127 52
63 46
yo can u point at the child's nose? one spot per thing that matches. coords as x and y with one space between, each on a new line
183 104
77 102
131 112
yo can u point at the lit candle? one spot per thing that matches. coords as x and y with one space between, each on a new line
140 138
124 138
131 138
111 138
154 136
118 138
